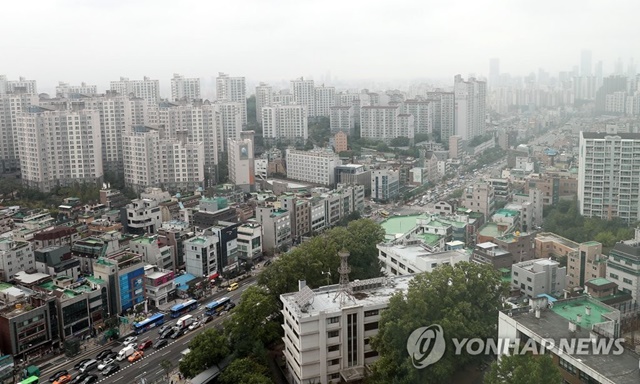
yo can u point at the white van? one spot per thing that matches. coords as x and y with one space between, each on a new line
125 352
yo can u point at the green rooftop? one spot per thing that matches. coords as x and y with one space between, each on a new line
571 309
599 281
94 280
507 212
4 286
398 225
104 261
49 286
591 243
145 240
490 230
198 240
430 238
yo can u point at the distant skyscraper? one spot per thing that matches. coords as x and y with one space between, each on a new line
285 122
443 113
494 72
65 90
585 63
182 88
599 73
240 161
304 93
325 98
233 89
146 89
470 107
264 98
12 104
21 85
610 85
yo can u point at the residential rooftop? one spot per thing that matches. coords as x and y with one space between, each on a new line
490 230
397 226
600 281
549 236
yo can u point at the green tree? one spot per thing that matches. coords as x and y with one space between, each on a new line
400 142
457 193
463 299
207 348
249 328
245 371
167 366
523 369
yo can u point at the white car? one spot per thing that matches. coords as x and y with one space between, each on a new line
129 340
194 325
104 363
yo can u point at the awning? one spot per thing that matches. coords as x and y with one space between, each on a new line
214 276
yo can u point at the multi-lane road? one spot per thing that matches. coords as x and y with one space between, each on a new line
149 366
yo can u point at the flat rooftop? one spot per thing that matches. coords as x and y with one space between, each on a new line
548 236
396 226
322 299
620 369
573 308
490 230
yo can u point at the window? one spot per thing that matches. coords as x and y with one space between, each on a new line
567 366
334 362
333 348
370 354
628 281
374 312
331 334
614 276
371 326
333 320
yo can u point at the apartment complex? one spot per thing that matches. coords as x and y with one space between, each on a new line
233 89
285 122
146 88
66 90
608 180
241 166
470 107
185 88
444 107
325 99
342 119
316 166
11 105
304 94
264 98
385 123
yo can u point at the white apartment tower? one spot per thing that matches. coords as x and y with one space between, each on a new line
241 168
66 90
264 98
382 123
21 85
443 113
12 104
59 148
304 93
230 120
285 122
146 88
325 98
341 119
184 88
608 177
470 107
232 89
316 166
422 111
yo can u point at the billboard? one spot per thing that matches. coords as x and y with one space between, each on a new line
244 151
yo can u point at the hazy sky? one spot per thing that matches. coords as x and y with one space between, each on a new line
100 40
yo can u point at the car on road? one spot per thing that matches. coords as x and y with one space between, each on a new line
230 306
145 344
82 362
79 379
129 340
89 366
111 368
112 355
233 287
194 325
161 343
178 333
102 355
90 379
162 329
59 374
137 355
64 379
104 363
207 319
167 333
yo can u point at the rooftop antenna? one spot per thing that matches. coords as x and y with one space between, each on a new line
344 291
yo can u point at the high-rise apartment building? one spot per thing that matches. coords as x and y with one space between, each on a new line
264 98
230 121
608 178
304 93
325 98
232 89
12 104
609 86
585 63
59 148
184 88
316 166
146 88
240 158
422 111
385 123
342 119
443 113
585 87
470 107
22 85
66 90
285 122
151 160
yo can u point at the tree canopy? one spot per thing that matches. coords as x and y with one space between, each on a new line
463 299
207 348
524 369
245 371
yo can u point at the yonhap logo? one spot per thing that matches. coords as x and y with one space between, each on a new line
426 346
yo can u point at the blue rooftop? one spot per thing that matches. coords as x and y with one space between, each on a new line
182 280
550 298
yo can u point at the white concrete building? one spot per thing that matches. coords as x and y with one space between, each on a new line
15 256
318 215
537 277
285 122
408 259
385 184
185 88
531 208
380 122
241 162
143 216
59 148
229 115
470 107
608 176
304 93
623 266
264 98
315 166
276 227
283 97
443 113
146 88
342 119
422 112
65 89
11 105
152 252
22 85
159 284
200 255
250 241
327 336
325 98
233 89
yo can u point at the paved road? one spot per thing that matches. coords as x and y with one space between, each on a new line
149 366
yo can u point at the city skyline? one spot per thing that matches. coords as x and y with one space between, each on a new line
273 41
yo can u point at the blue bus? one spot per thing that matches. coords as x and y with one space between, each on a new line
182 308
146 324
215 307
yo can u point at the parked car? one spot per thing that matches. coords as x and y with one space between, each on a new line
130 340
267 263
81 363
90 379
104 363
145 344
64 379
57 375
109 369
161 343
102 355
137 355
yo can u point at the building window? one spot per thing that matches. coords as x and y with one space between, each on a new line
628 281
567 366
370 354
333 320
333 348
331 334
371 326
614 276
352 339
334 362
374 312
